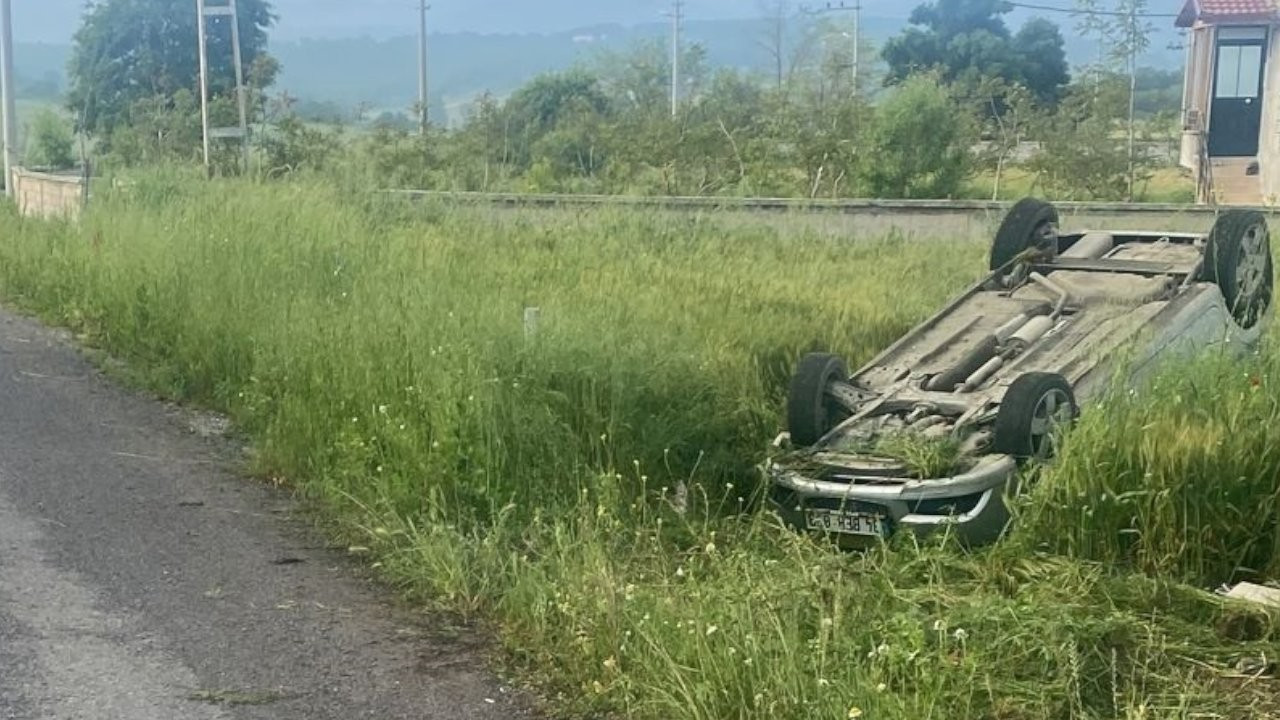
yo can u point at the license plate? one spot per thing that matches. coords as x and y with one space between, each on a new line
846 522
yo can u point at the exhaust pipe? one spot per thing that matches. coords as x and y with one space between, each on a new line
1090 247
983 374
1035 329
972 361
1064 297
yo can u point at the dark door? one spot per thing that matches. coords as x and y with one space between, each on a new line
1235 119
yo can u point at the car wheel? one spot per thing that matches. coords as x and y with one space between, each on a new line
1035 406
1238 260
1031 223
811 412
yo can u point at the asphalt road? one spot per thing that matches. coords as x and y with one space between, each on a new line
141 579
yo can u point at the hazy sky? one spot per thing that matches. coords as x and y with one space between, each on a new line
55 20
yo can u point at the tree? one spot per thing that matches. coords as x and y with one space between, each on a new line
1082 155
549 102
638 78
920 142
967 41
1123 35
294 146
774 38
1134 34
1043 56
129 51
49 142
1004 128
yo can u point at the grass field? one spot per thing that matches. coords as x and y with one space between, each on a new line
590 489
1166 185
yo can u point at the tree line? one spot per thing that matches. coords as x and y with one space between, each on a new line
957 93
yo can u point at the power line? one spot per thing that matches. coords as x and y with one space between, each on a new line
1075 11
842 7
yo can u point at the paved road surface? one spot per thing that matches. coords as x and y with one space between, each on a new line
141 580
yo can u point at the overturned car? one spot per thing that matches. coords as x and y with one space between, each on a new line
934 430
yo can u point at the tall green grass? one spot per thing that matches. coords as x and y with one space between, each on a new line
591 488
1178 477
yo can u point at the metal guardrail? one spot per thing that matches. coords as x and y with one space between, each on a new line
800 204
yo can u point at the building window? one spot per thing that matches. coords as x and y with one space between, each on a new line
1242 33
1239 71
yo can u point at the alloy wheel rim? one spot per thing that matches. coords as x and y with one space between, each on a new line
1251 265
1052 411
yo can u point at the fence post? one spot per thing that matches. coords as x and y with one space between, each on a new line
532 317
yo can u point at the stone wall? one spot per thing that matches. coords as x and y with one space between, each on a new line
48 195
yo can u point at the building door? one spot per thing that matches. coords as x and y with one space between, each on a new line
1235 116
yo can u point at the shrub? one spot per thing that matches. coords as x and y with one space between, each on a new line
50 143
920 143
294 146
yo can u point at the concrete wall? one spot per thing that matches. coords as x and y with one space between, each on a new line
1269 136
839 219
48 195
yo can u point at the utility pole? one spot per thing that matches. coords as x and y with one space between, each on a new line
857 36
677 18
423 7
8 91
856 9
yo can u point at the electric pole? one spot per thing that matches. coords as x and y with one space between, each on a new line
857 36
856 9
423 7
8 91
677 17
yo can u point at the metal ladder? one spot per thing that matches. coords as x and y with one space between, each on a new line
227 9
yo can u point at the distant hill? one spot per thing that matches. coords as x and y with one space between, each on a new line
383 19
384 72
55 20
381 71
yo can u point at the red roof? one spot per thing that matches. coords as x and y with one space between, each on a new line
1228 12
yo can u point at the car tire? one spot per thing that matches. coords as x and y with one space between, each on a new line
811 413
1034 406
1238 260
1031 223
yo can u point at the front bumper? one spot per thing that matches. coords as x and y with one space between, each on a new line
972 504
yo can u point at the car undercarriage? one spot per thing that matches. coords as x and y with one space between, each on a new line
934 430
